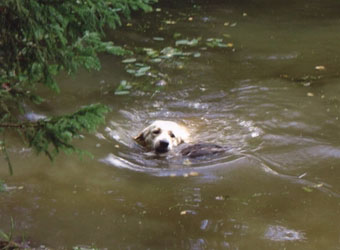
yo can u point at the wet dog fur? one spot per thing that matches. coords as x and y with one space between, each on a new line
162 137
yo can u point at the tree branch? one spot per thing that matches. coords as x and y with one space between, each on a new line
20 125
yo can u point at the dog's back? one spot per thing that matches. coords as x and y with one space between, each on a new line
201 150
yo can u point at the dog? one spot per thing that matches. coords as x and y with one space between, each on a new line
162 136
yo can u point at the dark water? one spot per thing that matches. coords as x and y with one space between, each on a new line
272 96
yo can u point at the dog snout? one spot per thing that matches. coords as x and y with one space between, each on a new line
163 146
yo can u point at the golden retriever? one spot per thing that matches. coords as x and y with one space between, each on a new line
162 136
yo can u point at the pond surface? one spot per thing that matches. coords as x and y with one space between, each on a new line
271 94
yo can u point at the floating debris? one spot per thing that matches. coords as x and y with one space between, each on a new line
187 42
138 69
320 67
151 52
193 173
123 88
185 212
161 83
220 198
158 38
129 60
170 22
217 42
307 189
148 61
177 35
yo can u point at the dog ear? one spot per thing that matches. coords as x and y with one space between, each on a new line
140 139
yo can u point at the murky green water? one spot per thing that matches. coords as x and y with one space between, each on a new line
266 97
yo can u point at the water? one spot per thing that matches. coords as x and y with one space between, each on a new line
264 98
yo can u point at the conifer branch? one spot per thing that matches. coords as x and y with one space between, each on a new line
38 40
20 125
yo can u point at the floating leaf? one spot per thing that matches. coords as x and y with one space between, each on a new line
187 42
161 83
307 189
177 35
140 70
144 69
158 38
151 52
217 42
129 60
122 92
156 60
320 67
123 88
170 22
214 40
170 52
318 185
220 198
140 64
131 71
185 212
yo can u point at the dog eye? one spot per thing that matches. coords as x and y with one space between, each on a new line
156 132
171 134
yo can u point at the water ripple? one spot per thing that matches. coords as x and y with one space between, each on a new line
280 233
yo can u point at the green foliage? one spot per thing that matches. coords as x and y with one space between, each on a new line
2 188
8 236
4 151
217 42
38 40
58 132
41 38
123 88
7 242
149 64
187 42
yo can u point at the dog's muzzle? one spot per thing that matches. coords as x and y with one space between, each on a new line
162 147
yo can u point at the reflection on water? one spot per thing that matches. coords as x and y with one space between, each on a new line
265 100
279 233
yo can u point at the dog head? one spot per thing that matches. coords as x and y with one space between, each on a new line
162 136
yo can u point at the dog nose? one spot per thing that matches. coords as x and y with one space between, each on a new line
163 144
